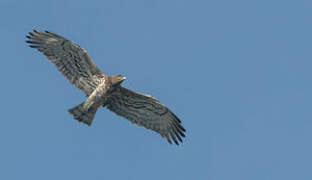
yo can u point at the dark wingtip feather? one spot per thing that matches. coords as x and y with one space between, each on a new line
33 46
181 133
168 139
178 128
178 136
174 138
176 117
32 42
36 31
176 131
181 127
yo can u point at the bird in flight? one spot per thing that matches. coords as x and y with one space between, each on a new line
103 90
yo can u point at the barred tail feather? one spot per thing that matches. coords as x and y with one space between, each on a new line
82 114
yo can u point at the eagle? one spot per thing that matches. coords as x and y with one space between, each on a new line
102 90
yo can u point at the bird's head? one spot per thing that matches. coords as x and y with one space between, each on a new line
117 80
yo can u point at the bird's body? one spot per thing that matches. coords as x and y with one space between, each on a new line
102 90
85 111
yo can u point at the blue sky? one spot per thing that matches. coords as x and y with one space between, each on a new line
237 73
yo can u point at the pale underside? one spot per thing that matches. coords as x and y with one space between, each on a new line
75 64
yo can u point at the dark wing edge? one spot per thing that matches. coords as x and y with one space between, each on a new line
144 110
69 58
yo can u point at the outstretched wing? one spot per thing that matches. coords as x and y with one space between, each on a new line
69 58
146 111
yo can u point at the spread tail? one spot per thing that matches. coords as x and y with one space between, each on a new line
82 114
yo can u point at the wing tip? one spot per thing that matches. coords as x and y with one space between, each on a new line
33 46
174 135
36 32
168 139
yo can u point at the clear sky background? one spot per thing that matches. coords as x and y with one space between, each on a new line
237 73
